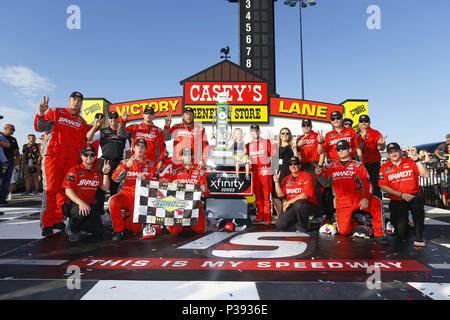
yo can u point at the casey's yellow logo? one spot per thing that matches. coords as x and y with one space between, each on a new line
170 203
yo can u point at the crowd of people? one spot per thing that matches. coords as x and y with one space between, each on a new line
337 177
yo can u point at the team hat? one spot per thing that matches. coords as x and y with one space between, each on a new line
306 122
336 114
347 120
76 94
364 117
294 160
393 146
254 126
141 141
88 148
149 110
113 114
342 143
187 152
188 109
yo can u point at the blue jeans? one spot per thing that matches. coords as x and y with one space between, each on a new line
6 179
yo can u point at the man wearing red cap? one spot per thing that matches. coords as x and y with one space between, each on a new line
156 147
65 135
137 167
351 184
187 134
190 175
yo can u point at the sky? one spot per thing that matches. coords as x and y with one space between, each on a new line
140 49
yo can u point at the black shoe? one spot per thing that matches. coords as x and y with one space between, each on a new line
47 232
117 236
60 226
381 240
3 202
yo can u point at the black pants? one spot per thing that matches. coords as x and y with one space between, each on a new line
309 167
298 215
374 172
400 212
91 223
113 186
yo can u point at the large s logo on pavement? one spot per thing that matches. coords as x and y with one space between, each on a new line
285 248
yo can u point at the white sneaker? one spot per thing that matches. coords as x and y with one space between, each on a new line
9 197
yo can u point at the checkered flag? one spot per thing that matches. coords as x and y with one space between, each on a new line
169 204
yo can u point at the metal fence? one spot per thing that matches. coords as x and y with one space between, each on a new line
435 188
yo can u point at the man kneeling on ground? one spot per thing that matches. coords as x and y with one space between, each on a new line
85 195
298 187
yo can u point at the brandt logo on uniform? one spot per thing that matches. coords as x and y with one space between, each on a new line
85 182
69 122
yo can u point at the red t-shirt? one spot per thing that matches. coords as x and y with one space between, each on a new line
332 137
308 151
129 175
83 182
402 178
303 183
369 146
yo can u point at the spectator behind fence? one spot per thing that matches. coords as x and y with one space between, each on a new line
31 164
12 156
439 152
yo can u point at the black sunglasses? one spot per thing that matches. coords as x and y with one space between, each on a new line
115 117
341 148
92 155
347 124
337 118
364 120
284 133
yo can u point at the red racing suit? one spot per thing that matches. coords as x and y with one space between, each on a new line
153 135
369 145
332 137
124 200
351 183
308 151
83 182
65 136
303 183
196 177
259 153
193 137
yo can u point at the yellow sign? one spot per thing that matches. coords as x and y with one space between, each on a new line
353 109
93 106
238 113
170 203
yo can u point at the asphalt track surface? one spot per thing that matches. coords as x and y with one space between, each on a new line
250 265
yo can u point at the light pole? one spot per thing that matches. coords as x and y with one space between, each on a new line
303 4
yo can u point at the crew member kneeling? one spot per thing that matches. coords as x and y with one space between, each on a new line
298 187
189 175
137 167
353 190
85 195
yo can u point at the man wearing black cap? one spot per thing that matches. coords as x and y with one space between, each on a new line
137 167
112 147
85 195
187 134
190 175
65 135
153 135
353 190
259 152
347 123
301 201
399 178
327 144
371 142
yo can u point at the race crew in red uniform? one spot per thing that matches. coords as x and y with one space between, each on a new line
307 145
327 145
65 135
301 201
137 167
187 134
371 143
399 177
85 191
353 189
190 175
156 147
259 152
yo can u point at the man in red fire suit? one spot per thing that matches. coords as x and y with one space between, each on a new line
156 147
137 167
259 152
353 189
65 136
190 175
187 134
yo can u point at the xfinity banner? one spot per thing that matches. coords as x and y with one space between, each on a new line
226 182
